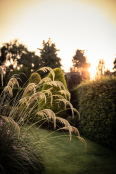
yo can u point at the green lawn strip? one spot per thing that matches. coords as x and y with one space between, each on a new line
68 157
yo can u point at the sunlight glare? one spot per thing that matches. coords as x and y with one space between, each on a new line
7 63
92 71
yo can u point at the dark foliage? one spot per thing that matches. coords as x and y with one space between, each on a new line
16 154
73 79
48 55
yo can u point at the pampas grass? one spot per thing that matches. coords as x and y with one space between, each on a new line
31 87
16 154
66 102
13 82
8 90
24 110
45 69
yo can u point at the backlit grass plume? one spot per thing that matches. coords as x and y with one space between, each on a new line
45 69
13 82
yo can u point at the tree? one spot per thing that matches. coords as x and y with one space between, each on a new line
11 52
49 56
80 64
15 55
100 68
30 60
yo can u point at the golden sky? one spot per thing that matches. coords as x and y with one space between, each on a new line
71 25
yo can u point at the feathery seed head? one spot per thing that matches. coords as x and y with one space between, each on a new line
30 87
48 113
12 82
44 80
8 89
63 121
48 91
37 95
66 102
66 93
45 69
75 130
56 84
23 100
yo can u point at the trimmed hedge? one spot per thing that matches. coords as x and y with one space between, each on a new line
73 79
35 78
96 102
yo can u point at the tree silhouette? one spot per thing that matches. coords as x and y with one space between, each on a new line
48 55
18 55
80 64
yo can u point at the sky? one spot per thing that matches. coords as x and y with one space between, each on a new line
88 25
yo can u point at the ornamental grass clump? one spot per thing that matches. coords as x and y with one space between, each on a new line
20 113
16 156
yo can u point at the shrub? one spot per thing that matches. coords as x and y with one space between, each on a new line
34 78
97 107
59 76
73 79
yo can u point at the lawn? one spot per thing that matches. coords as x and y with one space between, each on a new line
62 156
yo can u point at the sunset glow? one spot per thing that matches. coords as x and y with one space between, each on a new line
71 25
92 71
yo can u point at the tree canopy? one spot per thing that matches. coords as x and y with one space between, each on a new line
48 55
18 55
15 57
80 64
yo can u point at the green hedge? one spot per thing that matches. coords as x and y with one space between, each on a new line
35 78
96 102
